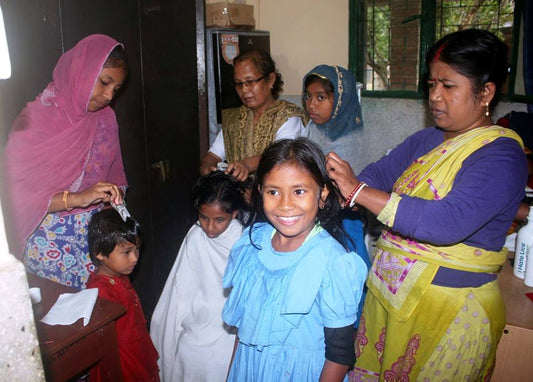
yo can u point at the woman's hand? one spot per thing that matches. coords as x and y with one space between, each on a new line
209 163
239 170
97 193
100 192
341 173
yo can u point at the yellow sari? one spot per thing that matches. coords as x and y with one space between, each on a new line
412 329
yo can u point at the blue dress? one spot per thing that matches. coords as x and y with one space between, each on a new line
281 302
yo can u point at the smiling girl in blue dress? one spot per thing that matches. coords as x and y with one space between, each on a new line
296 289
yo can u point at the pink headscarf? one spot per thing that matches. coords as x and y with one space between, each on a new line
50 145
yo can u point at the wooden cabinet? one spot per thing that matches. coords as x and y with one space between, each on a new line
68 350
514 358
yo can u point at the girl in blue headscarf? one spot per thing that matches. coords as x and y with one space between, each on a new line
332 102
335 121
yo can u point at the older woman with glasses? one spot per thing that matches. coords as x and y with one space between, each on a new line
262 119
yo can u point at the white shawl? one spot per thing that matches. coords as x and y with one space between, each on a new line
187 329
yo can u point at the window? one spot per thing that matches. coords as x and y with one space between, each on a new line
5 63
389 38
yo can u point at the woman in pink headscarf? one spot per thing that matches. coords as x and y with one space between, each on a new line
63 162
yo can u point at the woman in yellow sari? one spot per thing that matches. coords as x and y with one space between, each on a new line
448 195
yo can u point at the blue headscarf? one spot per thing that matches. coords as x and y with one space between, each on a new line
346 115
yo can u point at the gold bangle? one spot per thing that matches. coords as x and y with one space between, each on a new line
65 194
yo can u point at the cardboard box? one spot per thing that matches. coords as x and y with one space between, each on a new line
229 15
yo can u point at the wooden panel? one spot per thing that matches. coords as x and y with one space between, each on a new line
169 32
514 360
519 308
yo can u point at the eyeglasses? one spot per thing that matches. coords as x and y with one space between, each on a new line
248 83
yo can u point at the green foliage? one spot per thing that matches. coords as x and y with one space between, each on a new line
451 15
378 43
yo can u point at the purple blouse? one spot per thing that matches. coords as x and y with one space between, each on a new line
480 207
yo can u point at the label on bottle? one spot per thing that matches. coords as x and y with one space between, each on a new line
520 260
528 273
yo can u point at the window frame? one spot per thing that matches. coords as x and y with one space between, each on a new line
427 21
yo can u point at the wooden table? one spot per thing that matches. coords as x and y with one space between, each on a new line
514 359
68 350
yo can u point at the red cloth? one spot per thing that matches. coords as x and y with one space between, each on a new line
138 356
49 146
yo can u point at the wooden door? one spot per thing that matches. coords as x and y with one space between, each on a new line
171 101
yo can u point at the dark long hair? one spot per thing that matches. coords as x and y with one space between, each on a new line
476 54
306 154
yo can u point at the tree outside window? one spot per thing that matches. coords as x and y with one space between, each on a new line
389 38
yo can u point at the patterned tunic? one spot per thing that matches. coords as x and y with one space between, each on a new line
244 139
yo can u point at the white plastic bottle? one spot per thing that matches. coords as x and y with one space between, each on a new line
524 241
528 277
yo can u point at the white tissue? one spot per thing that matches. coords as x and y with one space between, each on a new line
35 295
510 242
70 307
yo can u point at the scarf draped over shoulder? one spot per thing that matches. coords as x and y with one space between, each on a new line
50 143
403 267
244 139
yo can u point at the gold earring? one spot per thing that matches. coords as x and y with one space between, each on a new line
487 109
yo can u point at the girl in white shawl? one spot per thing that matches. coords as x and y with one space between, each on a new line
187 329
